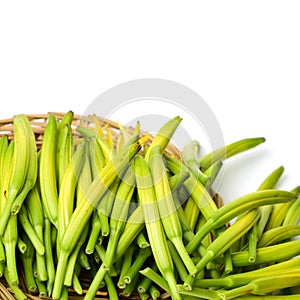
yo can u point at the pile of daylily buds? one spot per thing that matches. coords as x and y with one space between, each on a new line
95 212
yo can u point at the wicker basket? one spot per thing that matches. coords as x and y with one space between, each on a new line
38 123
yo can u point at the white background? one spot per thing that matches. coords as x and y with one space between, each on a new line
241 57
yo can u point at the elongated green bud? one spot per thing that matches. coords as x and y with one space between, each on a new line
47 172
225 152
154 227
164 135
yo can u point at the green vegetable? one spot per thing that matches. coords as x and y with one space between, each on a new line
134 212
153 223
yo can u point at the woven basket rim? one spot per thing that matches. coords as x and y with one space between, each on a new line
39 122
